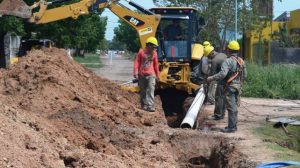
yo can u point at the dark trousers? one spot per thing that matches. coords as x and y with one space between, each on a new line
231 104
219 110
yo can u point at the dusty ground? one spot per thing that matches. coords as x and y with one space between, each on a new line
56 113
117 69
253 112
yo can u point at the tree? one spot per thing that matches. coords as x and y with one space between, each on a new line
11 24
284 38
126 35
88 32
85 33
116 45
103 45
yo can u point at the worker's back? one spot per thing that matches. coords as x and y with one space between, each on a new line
216 63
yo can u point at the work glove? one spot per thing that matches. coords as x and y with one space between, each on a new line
209 79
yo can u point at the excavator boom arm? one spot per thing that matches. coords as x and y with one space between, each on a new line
144 23
45 15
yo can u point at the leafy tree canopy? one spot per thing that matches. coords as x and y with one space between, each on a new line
87 32
126 35
11 24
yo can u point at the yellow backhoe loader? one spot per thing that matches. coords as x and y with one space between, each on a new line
178 56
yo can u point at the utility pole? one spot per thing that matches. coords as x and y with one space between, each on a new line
244 31
235 21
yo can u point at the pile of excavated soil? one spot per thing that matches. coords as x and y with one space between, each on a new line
56 113
51 85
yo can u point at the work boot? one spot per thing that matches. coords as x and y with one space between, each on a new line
149 109
214 117
229 130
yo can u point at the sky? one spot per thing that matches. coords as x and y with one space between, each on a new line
112 22
285 5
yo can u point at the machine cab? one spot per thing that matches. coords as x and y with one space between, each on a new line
176 33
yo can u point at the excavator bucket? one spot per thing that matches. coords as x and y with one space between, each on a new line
15 8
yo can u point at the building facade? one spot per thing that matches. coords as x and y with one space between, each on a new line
262 47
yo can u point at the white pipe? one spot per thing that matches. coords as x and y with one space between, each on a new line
191 116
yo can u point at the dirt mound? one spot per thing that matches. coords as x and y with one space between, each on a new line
56 113
48 82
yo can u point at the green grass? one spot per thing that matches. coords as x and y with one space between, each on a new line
285 147
272 81
282 153
90 61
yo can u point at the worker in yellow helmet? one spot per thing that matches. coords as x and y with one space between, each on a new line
200 71
207 50
207 47
146 70
232 74
216 89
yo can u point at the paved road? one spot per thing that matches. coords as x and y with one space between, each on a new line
118 69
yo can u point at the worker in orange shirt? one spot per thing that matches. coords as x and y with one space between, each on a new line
146 70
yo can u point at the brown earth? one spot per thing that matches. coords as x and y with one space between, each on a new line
56 113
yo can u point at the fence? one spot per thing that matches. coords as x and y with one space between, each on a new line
284 55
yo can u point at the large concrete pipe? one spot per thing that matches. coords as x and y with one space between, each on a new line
191 116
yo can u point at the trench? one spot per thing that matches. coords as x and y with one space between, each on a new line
175 104
195 149
199 150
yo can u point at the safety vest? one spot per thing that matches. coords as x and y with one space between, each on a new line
240 66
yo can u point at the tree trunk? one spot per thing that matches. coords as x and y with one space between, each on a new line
79 52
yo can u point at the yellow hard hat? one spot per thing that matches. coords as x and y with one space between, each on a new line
206 43
208 50
152 40
233 45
